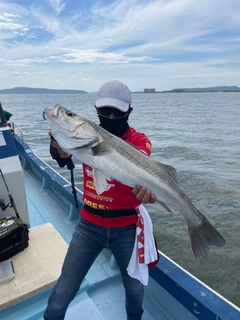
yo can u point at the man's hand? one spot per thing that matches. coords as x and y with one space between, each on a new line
59 155
62 154
144 195
60 151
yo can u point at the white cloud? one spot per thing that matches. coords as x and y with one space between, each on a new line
57 5
140 41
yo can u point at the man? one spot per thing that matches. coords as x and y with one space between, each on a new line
107 220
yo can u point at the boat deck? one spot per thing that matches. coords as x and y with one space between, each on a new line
101 295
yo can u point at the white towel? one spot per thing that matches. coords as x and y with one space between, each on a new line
144 251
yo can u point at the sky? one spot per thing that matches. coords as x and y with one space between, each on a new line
81 44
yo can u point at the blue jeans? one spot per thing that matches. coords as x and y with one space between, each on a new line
87 242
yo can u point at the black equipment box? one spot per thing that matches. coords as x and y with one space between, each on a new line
13 237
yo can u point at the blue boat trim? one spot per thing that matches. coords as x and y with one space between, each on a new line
7 150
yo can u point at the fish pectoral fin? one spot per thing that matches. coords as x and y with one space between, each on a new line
100 181
75 143
105 147
170 170
87 143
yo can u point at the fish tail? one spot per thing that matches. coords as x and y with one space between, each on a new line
202 237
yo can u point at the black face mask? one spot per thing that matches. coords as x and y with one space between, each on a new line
116 126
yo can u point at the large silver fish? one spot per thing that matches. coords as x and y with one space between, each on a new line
112 158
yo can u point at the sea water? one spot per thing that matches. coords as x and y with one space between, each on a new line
198 134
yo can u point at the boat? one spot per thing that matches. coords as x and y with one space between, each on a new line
45 203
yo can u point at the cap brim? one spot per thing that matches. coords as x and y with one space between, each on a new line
111 102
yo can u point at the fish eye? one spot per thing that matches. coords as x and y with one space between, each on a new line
70 113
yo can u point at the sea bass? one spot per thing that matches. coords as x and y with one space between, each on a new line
112 158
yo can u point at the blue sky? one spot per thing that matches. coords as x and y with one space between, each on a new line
80 44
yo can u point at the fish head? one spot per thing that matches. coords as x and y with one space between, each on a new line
63 120
70 130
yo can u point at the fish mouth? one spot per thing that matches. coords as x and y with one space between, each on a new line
44 115
54 112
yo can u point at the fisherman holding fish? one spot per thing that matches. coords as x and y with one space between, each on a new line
110 215
118 176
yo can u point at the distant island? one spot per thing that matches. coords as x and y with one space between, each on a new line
27 90
208 89
190 90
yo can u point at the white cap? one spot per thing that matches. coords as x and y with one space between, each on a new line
114 94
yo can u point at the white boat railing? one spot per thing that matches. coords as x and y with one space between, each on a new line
12 126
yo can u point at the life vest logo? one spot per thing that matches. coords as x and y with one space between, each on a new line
7 223
89 172
90 183
149 146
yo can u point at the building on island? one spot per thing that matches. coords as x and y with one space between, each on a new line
149 90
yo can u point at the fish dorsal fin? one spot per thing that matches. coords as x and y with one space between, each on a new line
170 170
100 181
105 147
